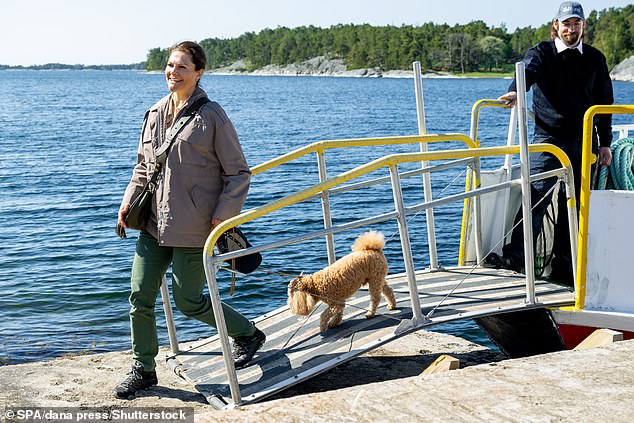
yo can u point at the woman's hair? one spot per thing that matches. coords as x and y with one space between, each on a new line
195 51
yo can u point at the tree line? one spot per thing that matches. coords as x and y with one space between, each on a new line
474 47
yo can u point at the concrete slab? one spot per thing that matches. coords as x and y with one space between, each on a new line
382 386
88 380
582 386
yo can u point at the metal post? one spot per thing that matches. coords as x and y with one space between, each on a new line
325 208
405 244
475 180
221 326
477 211
573 225
510 140
508 168
169 316
529 264
422 130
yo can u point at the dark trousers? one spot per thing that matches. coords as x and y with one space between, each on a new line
188 280
541 162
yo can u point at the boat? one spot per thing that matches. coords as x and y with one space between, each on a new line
603 297
506 304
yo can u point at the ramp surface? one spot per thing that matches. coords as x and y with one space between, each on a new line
296 350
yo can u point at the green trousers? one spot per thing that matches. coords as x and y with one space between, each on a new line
188 280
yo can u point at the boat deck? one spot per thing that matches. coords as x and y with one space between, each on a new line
295 350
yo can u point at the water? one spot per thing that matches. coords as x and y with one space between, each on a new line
68 141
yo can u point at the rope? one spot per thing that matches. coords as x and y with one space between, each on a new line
251 275
620 173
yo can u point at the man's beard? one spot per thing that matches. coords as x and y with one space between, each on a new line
571 39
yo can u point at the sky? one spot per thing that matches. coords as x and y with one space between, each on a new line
90 32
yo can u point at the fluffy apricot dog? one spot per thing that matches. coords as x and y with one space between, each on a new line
336 283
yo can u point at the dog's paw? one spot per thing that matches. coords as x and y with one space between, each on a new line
391 307
369 315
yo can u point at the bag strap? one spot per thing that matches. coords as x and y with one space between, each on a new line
163 150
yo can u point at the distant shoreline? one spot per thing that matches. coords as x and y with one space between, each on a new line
63 66
317 66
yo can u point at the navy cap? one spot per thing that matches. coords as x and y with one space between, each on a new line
569 9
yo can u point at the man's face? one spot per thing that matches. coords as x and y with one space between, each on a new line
570 30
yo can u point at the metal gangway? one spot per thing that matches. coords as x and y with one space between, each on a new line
295 350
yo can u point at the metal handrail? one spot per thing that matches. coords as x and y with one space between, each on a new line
427 190
402 175
390 161
587 159
473 181
323 146
320 148
367 168
475 115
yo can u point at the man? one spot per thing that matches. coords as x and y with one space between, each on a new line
567 77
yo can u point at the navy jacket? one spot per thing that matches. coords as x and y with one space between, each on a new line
564 86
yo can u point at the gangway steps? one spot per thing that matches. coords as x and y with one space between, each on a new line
296 350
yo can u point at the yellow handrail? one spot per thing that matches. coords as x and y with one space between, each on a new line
389 160
584 201
475 183
475 114
321 146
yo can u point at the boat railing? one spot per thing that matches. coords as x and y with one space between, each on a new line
587 160
471 207
321 147
623 130
340 183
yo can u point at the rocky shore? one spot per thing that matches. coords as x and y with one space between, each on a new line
323 66
624 71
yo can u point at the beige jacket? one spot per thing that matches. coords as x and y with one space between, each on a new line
206 175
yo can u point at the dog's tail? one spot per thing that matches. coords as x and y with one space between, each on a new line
372 240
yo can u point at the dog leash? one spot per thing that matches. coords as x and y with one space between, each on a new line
270 272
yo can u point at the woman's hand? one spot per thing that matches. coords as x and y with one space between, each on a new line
122 211
215 222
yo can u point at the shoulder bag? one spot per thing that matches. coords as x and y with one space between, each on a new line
139 212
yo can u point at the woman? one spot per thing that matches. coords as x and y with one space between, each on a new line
204 181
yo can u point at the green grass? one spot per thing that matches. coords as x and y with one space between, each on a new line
486 74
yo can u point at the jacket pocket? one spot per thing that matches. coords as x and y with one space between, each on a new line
192 145
204 201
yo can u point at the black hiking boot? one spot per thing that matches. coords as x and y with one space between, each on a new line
244 347
136 380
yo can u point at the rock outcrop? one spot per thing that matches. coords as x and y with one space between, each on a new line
624 71
319 66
